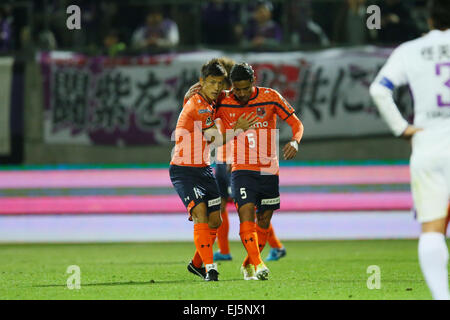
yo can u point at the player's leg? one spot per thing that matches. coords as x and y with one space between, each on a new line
223 182
249 238
203 238
210 195
222 235
430 192
433 258
184 185
248 232
277 250
244 186
268 202
262 230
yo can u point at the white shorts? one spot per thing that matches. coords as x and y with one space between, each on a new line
430 185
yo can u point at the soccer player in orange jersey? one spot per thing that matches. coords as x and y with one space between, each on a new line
254 177
223 173
190 172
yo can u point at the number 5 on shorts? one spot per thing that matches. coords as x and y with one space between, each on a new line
243 193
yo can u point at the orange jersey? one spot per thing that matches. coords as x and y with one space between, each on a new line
256 149
191 148
220 155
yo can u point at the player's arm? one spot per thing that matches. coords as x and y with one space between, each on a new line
291 148
192 90
287 113
217 138
382 89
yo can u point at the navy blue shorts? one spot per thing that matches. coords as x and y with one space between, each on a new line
223 180
195 185
253 187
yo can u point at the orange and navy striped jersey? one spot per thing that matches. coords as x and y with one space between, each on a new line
256 149
191 148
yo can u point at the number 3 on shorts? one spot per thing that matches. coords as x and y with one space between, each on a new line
243 193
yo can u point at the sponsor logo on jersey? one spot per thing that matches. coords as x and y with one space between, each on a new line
214 202
260 125
204 111
270 201
261 112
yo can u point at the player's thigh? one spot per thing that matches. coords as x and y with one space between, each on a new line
268 198
223 180
186 187
430 188
211 195
244 185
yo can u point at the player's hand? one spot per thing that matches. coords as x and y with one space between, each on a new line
193 90
245 122
410 131
290 150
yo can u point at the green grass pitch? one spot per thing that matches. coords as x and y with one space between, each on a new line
157 270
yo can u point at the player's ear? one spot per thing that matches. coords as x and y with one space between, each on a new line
201 81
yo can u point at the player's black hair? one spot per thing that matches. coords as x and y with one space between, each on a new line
439 12
242 71
213 68
227 63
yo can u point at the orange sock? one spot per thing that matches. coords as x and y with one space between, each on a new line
222 234
212 234
262 239
202 240
249 239
197 259
274 242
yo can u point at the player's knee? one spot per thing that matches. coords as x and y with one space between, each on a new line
215 220
264 224
215 223
435 226
247 212
264 218
199 213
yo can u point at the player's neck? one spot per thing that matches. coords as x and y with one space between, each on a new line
204 96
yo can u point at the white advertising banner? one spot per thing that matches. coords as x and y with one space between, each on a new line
137 100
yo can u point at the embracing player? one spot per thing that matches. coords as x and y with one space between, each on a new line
190 172
424 64
254 176
223 174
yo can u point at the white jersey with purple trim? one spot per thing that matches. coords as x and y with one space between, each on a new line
424 64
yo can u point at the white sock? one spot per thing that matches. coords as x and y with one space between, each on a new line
433 259
211 266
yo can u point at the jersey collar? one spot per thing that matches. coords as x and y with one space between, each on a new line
252 97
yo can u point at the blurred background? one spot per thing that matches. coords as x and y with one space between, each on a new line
86 115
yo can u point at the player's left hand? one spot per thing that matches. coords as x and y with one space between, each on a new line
290 150
193 90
